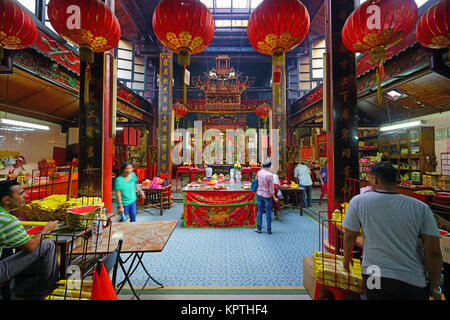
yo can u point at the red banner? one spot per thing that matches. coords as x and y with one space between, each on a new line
219 209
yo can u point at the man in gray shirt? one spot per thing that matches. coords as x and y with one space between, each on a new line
401 240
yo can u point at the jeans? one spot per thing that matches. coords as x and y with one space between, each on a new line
264 203
130 210
34 273
307 201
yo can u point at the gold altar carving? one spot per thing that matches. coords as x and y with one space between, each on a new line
222 86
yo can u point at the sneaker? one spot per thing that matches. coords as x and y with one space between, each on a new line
269 232
256 230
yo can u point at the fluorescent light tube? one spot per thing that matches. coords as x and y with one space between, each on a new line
24 124
401 126
119 128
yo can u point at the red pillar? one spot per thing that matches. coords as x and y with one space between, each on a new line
108 136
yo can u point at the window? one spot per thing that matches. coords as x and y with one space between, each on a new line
255 3
29 4
240 4
305 73
139 74
47 22
130 67
207 3
223 3
222 23
125 62
318 49
239 23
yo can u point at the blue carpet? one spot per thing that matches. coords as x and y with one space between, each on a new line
230 257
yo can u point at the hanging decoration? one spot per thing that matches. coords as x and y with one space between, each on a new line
184 27
276 27
263 112
87 24
433 27
180 111
17 29
377 25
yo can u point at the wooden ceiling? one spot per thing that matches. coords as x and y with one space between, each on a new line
24 94
427 94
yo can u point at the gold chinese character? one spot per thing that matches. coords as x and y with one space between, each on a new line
346 153
345 133
346 172
164 109
165 62
165 90
165 81
163 147
345 94
90 152
166 72
92 114
165 99
345 114
90 131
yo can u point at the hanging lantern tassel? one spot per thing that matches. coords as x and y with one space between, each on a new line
1 53
379 95
87 78
277 80
184 87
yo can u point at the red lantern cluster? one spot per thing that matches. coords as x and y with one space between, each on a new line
433 27
377 25
185 27
89 24
17 28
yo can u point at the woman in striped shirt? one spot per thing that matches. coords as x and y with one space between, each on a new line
33 254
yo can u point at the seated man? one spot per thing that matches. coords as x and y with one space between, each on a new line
34 267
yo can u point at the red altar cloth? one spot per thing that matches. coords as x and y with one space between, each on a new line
219 209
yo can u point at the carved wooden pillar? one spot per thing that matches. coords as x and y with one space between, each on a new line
164 131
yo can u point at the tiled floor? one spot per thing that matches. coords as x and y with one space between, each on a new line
231 257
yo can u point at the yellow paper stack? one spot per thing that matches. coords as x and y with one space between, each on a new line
331 267
54 207
63 293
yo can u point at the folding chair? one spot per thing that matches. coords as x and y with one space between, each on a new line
111 262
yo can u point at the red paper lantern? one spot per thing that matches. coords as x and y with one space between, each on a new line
180 111
263 112
17 28
88 24
433 27
276 27
377 25
185 27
